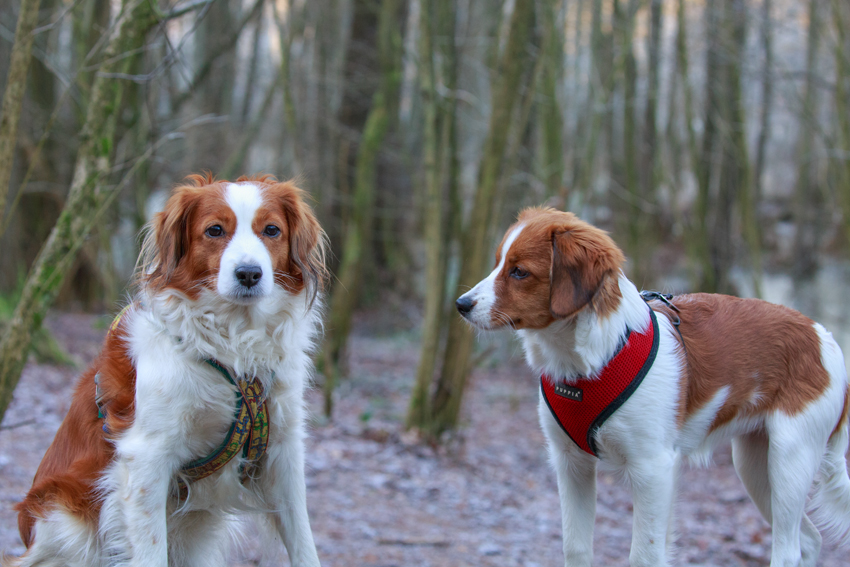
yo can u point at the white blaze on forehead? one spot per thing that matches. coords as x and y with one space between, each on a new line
245 247
509 241
484 294
244 199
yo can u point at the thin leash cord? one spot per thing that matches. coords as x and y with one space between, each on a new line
665 299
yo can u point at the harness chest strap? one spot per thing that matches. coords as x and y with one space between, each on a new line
581 406
249 431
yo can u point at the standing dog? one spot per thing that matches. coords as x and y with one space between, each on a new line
194 408
637 382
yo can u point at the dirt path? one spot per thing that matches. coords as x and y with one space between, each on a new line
377 499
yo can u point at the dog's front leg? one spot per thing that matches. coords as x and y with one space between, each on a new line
653 482
576 473
281 482
577 488
143 498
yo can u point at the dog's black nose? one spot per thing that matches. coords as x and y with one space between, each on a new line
465 304
249 276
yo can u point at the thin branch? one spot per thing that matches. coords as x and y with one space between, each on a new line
189 7
222 48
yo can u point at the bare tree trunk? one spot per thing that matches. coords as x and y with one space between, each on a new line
437 43
841 16
583 162
748 192
636 245
766 39
713 100
649 173
16 84
345 293
551 120
475 249
86 198
807 194
735 173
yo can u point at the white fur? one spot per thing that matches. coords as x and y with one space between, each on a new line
244 248
776 455
183 409
484 294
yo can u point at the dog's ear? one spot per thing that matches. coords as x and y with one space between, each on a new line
169 238
307 240
583 257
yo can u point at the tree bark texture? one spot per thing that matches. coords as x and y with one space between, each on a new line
87 196
475 250
807 197
766 40
358 233
841 16
551 117
437 39
16 84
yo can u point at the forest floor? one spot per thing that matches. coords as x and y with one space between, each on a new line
378 498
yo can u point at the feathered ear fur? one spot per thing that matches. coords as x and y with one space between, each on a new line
307 240
583 259
168 234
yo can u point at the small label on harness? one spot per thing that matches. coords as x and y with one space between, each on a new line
569 392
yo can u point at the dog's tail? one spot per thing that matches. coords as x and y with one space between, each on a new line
830 504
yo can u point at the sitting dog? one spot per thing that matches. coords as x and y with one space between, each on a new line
636 382
194 408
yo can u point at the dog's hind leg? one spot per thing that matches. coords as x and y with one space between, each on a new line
749 454
62 539
793 458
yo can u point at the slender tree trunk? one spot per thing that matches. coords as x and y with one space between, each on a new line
434 122
706 160
748 192
583 162
550 114
251 78
735 172
636 224
807 194
87 196
841 16
687 92
16 84
766 40
475 250
649 173
345 293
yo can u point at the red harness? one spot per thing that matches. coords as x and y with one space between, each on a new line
581 406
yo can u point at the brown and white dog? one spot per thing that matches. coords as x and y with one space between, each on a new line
761 375
230 272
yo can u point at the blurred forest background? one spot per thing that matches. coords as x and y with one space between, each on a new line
711 137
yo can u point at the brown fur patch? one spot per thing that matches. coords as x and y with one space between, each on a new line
303 261
570 265
81 450
768 355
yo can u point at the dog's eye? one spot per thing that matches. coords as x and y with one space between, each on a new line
214 231
271 231
519 273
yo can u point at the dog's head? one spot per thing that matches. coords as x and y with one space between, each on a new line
239 240
549 266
